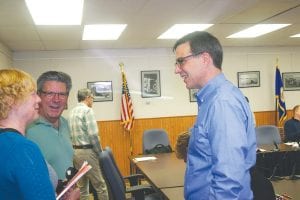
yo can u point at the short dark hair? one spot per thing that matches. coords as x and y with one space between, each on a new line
54 76
83 93
200 42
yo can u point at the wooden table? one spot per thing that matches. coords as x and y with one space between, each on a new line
166 171
173 193
166 174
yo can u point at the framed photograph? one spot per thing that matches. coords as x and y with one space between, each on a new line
102 90
291 80
150 81
193 93
248 79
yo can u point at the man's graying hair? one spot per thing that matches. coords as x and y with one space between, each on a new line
83 93
295 108
54 76
200 42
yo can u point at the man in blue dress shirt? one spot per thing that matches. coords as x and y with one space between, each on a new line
222 146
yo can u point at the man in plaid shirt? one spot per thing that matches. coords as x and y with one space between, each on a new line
85 139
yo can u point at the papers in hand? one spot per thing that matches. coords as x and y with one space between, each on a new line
82 171
144 158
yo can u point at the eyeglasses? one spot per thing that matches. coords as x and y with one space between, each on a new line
50 95
181 61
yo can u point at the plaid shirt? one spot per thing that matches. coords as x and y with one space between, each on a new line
83 126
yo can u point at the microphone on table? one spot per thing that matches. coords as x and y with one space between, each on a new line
276 146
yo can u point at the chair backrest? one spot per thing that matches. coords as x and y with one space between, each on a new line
152 137
112 176
110 153
267 134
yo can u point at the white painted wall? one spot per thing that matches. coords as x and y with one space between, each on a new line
5 57
103 65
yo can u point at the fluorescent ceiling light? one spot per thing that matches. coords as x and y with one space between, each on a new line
56 12
179 30
297 35
257 30
103 31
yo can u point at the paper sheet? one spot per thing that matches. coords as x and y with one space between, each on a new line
144 158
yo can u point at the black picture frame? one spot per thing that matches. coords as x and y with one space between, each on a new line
193 93
248 79
102 90
150 84
291 81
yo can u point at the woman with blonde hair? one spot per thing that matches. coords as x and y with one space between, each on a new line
23 170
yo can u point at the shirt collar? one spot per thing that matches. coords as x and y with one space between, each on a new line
211 85
82 104
42 120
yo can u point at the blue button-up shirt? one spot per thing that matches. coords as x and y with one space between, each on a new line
222 147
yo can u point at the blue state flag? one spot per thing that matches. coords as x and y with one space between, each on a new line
280 103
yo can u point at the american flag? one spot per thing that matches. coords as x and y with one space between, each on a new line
127 116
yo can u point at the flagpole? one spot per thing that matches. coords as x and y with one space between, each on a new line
276 108
121 64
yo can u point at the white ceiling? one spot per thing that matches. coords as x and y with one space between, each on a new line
147 19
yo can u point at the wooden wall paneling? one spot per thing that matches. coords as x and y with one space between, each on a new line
112 133
265 118
268 117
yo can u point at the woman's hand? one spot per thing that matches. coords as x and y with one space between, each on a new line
72 194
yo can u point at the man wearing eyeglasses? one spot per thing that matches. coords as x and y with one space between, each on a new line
51 131
86 144
222 145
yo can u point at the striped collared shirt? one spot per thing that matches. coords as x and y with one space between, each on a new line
83 126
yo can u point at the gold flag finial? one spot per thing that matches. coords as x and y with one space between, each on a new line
121 64
277 61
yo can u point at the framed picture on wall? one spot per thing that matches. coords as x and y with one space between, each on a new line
248 79
102 90
193 93
150 83
291 80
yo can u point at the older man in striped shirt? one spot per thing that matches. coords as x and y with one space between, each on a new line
85 139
